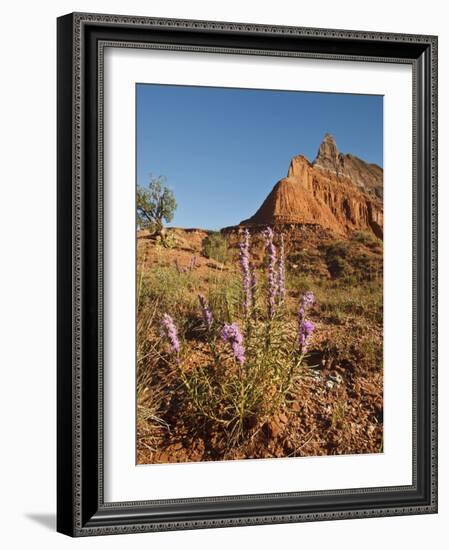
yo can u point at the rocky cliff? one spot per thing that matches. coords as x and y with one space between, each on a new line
367 177
338 192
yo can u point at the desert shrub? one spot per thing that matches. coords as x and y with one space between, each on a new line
369 240
305 261
367 267
351 262
337 249
350 280
166 239
253 364
338 266
215 247
365 238
336 259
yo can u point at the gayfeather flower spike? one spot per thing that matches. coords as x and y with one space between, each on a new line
305 332
307 301
305 327
206 312
246 275
231 334
281 272
272 279
170 332
253 283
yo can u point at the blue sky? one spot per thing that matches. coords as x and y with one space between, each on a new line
223 149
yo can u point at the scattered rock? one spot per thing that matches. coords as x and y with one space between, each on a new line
276 426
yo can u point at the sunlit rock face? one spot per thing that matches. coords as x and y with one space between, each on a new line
338 192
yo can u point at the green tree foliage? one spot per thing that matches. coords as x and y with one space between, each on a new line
155 204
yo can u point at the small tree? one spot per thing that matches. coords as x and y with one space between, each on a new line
156 204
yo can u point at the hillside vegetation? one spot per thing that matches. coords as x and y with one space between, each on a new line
198 400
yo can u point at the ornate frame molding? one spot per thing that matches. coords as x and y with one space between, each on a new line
81 509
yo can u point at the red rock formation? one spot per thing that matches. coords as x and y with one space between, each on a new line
367 177
338 192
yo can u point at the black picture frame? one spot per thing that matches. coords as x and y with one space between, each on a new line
81 510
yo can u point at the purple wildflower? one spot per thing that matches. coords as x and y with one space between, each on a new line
244 266
281 272
305 327
272 282
307 299
206 312
170 331
231 334
253 282
306 330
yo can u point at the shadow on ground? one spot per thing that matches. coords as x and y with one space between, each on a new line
46 520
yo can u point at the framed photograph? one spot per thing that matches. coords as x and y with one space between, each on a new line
247 274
